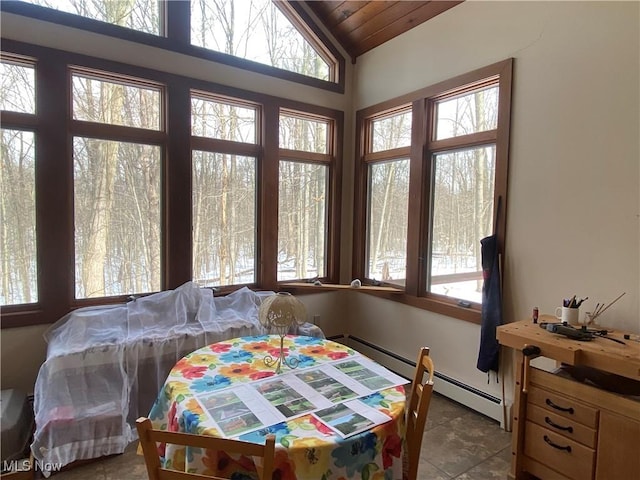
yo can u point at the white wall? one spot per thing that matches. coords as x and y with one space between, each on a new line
22 352
573 200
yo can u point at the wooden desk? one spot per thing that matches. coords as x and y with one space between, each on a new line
564 429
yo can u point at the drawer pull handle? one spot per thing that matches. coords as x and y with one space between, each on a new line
558 407
559 427
554 445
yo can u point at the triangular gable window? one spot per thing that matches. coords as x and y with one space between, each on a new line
264 31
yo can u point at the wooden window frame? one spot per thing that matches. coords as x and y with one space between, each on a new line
175 19
55 129
114 133
229 147
420 155
328 159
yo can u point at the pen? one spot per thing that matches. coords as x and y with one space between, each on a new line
580 301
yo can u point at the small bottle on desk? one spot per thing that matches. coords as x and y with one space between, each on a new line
535 314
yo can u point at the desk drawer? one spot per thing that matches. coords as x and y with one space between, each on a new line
562 425
558 452
563 406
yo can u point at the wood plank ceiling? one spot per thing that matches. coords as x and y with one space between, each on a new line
360 26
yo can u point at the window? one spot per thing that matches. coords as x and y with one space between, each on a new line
224 191
117 185
118 180
462 204
18 247
302 207
140 15
429 178
388 196
17 177
260 30
18 91
388 188
272 37
462 190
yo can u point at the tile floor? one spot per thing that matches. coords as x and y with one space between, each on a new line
458 444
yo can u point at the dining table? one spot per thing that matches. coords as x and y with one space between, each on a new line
220 390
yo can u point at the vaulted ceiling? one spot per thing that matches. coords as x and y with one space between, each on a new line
360 26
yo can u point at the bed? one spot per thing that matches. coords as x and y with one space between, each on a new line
105 365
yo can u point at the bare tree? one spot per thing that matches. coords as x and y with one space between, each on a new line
17 212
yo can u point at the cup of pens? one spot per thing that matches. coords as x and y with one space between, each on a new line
569 312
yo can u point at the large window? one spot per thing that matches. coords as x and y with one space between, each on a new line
302 210
389 142
259 30
462 190
118 181
18 246
116 185
224 191
272 37
19 250
429 179
141 15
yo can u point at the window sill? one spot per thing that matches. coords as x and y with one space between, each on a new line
471 314
303 288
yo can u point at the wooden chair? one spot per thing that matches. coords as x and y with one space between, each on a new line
417 413
148 438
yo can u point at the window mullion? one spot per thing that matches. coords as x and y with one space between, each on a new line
177 248
54 187
268 199
363 129
417 184
177 21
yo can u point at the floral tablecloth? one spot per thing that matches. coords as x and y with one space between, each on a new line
305 447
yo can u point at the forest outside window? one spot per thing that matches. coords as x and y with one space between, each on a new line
389 139
429 179
261 31
462 191
270 37
305 143
224 191
104 195
140 15
117 185
18 248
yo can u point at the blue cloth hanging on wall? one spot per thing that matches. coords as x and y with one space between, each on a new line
489 354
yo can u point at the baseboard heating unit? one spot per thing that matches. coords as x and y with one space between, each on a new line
451 388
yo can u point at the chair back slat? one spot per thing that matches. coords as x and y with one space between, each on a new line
149 437
418 408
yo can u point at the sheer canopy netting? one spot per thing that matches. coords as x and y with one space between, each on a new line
105 365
